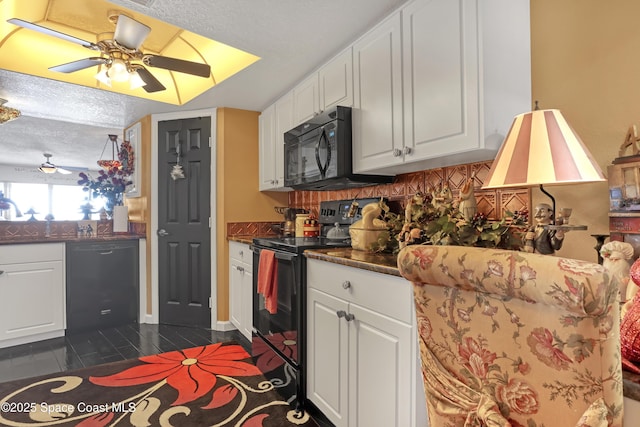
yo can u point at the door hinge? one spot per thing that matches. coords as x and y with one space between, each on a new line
209 302
209 142
209 222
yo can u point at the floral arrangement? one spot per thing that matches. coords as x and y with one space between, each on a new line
109 184
435 219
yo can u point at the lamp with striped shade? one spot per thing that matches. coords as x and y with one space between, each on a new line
542 149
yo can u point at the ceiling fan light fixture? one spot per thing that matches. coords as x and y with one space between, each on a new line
118 71
102 77
135 81
47 168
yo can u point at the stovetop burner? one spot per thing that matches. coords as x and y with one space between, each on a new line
331 212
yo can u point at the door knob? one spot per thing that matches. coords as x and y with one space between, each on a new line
341 313
162 232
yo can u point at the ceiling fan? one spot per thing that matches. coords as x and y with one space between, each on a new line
121 56
48 167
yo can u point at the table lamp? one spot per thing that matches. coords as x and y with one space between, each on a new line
541 149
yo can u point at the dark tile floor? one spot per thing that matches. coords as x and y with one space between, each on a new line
103 346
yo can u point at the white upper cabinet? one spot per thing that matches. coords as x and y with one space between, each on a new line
267 148
377 116
336 81
440 76
274 121
306 100
464 77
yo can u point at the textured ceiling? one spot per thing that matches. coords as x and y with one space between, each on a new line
293 37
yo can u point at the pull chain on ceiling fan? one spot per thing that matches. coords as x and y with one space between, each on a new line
121 56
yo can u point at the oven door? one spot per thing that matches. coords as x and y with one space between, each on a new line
280 329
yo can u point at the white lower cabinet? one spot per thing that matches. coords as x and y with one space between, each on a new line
32 292
241 287
362 365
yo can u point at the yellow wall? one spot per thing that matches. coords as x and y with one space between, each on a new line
586 63
237 195
140 207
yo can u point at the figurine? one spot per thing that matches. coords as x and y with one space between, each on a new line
467 205
541 240
616 256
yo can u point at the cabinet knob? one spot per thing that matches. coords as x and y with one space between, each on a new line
349 317
346 284
241 269
397 152
241 253
407 150
341 313
1 272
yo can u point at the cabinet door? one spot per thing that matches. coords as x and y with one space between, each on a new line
283 123
306 101
377 117
240 304
327 356
267 149
246 295
32 298
235 294
440 66
336 81
380 370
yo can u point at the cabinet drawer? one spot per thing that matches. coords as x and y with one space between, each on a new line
382 293
241 253
36 252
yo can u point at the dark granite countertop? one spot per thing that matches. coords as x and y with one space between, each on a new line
378 262
59 239
247 239
386 263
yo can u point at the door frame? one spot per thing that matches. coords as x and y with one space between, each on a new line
154 317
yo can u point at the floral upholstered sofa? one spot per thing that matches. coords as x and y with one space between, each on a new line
515 339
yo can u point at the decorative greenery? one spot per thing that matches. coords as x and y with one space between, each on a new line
435 219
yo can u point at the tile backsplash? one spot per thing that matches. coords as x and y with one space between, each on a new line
492 203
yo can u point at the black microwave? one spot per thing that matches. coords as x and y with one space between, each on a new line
317 154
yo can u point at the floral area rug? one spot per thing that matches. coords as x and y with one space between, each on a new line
214 385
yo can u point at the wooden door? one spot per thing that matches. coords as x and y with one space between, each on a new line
184 235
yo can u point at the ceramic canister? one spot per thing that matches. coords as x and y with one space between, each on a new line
300 218
311 227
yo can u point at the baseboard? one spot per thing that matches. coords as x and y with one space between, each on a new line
31 338
148 319
223 326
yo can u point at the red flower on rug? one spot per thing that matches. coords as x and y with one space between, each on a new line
192 372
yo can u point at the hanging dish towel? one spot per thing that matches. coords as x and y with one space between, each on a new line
268 280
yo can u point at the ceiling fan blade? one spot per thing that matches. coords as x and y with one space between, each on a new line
81 64
151 83
63 171
50 32
179 65
130 33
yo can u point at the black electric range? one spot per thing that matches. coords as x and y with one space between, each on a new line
279 318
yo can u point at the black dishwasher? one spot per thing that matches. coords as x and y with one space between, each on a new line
102 284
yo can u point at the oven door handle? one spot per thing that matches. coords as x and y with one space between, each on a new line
284 256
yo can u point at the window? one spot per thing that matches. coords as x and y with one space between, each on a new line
62 201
